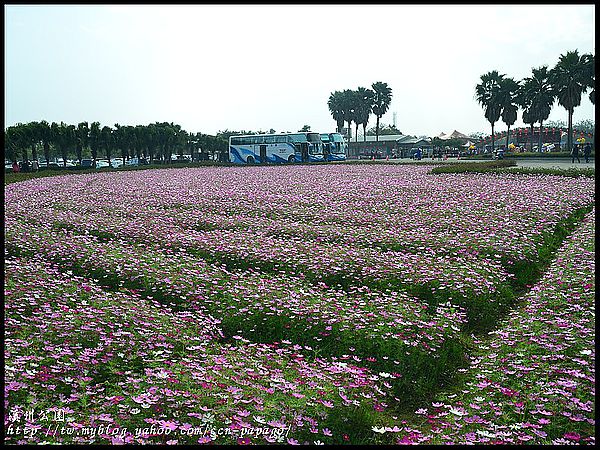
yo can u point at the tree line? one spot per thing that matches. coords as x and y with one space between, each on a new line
501 97
154 142
358 105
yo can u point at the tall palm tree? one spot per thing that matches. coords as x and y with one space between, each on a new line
363 111
335 104
541 94
526 98
382 97
488 95
590 75
509 93
570 79
348 104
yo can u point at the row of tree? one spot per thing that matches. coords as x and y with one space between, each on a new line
566 82
357 106
154 142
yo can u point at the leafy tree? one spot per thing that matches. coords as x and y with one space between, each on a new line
382 97
488 95
71 141
106 140
118 140
60 139
570 79
305 128
129 143
14 140
83 138
384 130
95 141
46 136
139 132
556 124
586 125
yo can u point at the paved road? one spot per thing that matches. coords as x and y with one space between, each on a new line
560 163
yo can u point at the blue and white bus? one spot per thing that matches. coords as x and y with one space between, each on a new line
276 148
335 146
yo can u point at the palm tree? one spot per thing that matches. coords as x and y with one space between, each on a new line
335 107
509 93
526 102
590 75
488 95
541 94
570 79
348 105
363 111
382 97
529 118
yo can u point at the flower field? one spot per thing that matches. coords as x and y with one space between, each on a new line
299 304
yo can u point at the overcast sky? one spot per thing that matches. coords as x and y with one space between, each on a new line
256 67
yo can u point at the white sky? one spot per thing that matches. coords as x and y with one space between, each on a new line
255 67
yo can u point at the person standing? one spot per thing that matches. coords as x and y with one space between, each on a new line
587 151
575 154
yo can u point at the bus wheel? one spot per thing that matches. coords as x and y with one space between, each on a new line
292 159
250 160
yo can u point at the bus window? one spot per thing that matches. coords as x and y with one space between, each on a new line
269 139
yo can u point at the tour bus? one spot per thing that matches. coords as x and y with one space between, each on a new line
335 147
276 148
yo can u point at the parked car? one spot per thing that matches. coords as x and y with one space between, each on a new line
116 162
60 162
87 163
101 163
136 162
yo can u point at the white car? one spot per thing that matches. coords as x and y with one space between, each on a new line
116 162
101 163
